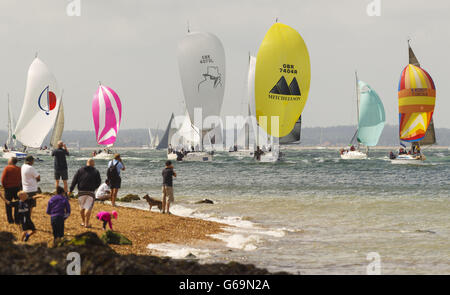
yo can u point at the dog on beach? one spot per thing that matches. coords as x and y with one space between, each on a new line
152 202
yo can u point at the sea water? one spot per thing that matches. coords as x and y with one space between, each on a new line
311 213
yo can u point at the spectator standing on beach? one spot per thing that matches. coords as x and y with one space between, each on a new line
167 188
58 208
87 179
30 179
113 174
60 164
12 184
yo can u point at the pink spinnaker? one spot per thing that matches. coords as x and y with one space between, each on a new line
107 114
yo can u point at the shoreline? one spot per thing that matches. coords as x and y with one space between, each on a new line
142 227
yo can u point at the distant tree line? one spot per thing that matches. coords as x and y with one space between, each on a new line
310 136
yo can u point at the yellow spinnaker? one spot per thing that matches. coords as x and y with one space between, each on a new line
282 77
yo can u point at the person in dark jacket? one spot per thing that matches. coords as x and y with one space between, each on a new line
59 210
60 164
87 179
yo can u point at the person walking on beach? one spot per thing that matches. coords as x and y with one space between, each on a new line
30 179
167 188
113 174
60 164
87 179
12 184
58 208
23 208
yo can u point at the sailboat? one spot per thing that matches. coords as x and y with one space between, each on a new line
282 58
371 118
201 61
40 107
10 149
168 133
416 101
107 115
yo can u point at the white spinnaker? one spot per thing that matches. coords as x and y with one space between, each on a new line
201 61
58 128
34 123
261 138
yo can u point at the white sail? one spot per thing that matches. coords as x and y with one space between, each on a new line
58 128
10 126
40 106
151 140
201 61
261 138
186 135
156 141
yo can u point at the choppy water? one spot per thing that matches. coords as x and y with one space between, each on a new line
312 213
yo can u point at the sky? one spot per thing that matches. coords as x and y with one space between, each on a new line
130 46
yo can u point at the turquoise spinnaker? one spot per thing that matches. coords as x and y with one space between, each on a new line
371 115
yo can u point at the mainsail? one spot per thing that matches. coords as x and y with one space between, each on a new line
282 79
261 138
58 128
201 61
40 106
430 137
167 137
371 115
186 135
10 127
107 114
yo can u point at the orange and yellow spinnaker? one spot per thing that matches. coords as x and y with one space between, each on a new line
416 99
282 78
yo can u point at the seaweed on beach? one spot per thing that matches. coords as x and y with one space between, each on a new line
97 258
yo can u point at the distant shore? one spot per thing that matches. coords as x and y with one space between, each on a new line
140 226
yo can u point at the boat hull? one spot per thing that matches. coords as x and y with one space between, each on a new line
192 157
353 155
10 154
103 156
242 154
409 159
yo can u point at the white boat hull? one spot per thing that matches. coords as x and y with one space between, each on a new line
408 159
270 157
10 154
242 154
103 156
353 155
192 157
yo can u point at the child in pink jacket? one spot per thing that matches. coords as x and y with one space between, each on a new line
106 218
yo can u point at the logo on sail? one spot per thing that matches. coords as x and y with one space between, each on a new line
282 88
47 100
211 79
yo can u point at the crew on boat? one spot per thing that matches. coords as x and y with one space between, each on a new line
170 149
258 153
352 148
391 156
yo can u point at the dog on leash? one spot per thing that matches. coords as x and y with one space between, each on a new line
152 202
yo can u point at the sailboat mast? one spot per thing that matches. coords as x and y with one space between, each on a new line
357 105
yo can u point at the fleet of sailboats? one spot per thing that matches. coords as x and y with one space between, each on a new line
277 85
